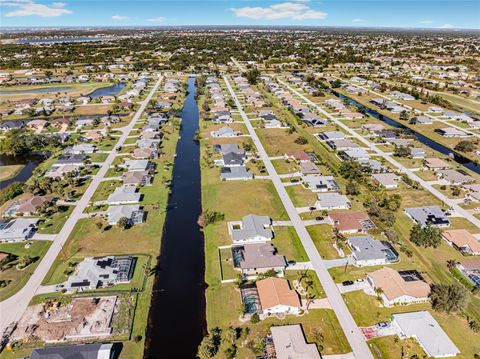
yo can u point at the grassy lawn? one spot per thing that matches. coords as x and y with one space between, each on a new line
284 166
105 189
18 278
98 157
301 196
392 347
226 261
55 224
316 288
288 244
11 171
322 236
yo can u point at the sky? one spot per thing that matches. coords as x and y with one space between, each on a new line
445 14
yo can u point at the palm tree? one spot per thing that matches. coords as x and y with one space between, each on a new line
451 263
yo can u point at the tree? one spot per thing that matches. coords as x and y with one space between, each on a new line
465 146
351 170
474 326
255 318
336 83
448 297
207 348
123 223
231 335
252 76
403 115
427 236
301 140
352 188
401 151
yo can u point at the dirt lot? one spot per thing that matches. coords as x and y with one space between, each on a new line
78 319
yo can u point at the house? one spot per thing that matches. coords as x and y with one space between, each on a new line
473 192
86 351
329 201
148 143
142 153
373 127
93 273
274 123
75 159
435 163
137 165
403 287
18 229
462 240
235 173
451 132
417 152
471 270
276 297
387 180
369 252
320 183
309 168
289 342
454 177
225 132
233 159
342 145
422 120
137 178
331 135
230 147
81 149
256 258
428 215
402 96
61 171
299 156
132 212
27 206
37 124
124 194
253 228
427 332
355 154
349 222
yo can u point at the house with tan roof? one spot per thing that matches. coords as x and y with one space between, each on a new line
276 297
462 240
297 156
349 222
403 287
435 163
27 206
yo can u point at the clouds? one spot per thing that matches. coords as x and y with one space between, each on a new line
119 17
297 10
31 8
426 22
156 19
358 20
447 26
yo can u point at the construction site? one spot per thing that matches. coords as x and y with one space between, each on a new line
78 319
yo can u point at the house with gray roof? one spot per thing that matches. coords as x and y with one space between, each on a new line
235 173
369 252
225 132
233 159
124 194
320 183
329 201
355 154
93 273
252 228
427 332
342 145
417 152
257 258
373 165
231 147
148 143
386 180
331 135
289 342
18 229
77 159
454 177
137 165
133 212
81 149
428 215
83 351
422 120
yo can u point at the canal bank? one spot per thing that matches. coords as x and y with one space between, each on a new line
177 322
460 159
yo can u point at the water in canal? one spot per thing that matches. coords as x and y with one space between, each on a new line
177 314
108 91
425 140
30 161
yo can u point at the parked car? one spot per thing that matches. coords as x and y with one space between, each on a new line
312 208
347 283
319 218
294 180
383 325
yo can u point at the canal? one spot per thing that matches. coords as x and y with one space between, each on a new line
177 321
421 138
30 162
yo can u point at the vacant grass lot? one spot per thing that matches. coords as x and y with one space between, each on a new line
288 244
18 278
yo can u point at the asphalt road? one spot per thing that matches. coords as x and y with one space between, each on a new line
12 308
352 332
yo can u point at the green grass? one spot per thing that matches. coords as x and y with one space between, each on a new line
98 157
288 244
105 189
55 224
226 262
19 278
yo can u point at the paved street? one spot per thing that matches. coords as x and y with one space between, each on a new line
449 202
351 330
12 308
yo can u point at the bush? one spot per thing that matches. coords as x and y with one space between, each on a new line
209 217
301 140
465 146
448 297
428 236
255 318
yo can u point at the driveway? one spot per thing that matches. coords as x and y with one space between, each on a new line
340 262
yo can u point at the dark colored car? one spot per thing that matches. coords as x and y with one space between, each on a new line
347 282
319 218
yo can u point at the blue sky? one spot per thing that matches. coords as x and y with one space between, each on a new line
377 13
